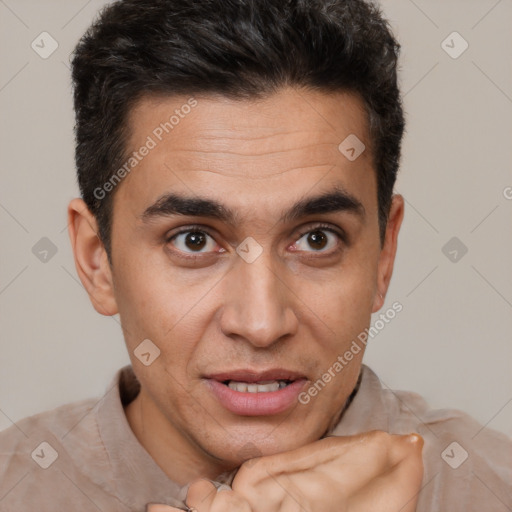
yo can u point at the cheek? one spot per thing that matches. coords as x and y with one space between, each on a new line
343 299
154 303
151 308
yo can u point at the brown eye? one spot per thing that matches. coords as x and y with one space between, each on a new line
317 240
323 240
193 241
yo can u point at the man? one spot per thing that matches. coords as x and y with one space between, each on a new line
236 161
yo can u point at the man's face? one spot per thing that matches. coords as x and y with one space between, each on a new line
180 282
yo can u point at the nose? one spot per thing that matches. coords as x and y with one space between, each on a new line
259 304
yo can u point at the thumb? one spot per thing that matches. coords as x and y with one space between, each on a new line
159 507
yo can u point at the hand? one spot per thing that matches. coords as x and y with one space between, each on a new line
372 471
203 497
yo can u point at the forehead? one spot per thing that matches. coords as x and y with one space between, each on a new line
245 153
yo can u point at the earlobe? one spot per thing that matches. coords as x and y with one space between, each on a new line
388 251
91 259
378 301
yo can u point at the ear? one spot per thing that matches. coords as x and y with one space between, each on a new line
91 259
388 251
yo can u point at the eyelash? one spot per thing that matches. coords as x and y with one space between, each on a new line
319 227
188 229
325 227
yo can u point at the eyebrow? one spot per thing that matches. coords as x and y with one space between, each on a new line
332 201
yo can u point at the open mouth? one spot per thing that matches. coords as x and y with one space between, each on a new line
267 386
259 397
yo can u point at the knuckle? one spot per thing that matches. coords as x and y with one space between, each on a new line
408 447
378 436
230 501
242 474
248 472
200 490
379 440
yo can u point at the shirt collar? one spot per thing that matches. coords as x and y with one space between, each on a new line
367 410
137 478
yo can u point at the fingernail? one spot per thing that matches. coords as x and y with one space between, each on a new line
414 438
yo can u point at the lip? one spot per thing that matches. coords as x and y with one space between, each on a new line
256 404
247 375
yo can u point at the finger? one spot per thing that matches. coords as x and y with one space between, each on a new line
229 501
407 476
350 463
201 495
403 446
159 507
368 451
322 451
400 485
377 454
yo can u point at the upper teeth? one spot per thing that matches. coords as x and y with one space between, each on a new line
264 387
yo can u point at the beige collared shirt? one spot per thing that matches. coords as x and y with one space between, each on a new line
84 457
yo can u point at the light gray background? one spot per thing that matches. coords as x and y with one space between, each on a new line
451 343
